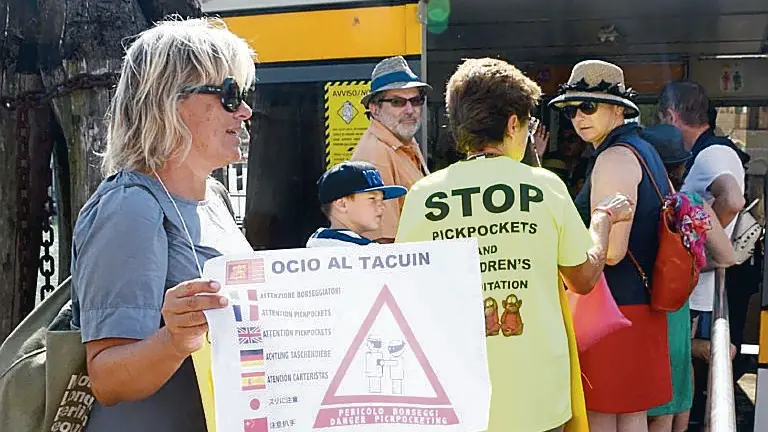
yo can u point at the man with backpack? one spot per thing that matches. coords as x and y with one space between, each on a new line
716 171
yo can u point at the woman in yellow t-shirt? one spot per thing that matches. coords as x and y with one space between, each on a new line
531 239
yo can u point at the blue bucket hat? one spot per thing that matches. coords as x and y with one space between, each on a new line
349 178
390 74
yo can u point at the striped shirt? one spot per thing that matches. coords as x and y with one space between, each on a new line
327 237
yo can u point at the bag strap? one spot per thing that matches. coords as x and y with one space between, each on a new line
643 276
647 170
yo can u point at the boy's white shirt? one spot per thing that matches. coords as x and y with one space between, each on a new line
315 241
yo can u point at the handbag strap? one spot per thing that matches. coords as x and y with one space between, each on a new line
647 170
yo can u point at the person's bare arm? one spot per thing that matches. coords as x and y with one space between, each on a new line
583 277
720 253
124 370
729 200
616 170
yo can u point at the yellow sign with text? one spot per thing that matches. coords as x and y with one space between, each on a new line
345 119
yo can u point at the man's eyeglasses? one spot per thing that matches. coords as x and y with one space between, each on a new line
587 107
399 102
229 92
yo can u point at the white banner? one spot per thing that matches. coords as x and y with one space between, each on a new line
374 338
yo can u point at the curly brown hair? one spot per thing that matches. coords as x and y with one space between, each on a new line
481 96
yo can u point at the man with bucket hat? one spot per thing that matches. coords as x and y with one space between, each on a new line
394 104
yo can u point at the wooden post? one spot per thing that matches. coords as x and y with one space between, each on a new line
47 43
63 205
21 209
88 47
93 47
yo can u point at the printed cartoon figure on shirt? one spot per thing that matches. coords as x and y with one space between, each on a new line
511 320
492 325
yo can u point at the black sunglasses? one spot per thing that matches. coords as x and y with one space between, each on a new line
587 107
399 102
229 92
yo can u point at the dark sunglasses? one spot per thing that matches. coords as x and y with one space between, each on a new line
229 92
399 102
588 108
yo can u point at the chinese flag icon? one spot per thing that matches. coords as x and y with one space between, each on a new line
256 425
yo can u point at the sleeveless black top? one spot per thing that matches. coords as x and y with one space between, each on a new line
624 280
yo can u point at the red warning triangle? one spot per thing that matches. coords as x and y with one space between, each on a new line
385 298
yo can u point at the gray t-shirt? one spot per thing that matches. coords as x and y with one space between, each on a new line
129 246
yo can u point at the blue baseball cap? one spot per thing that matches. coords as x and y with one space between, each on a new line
352 177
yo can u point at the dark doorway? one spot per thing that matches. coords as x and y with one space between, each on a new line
286 158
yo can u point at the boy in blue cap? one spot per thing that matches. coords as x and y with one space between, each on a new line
352 196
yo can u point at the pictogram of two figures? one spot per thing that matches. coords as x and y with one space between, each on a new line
376 364
510 323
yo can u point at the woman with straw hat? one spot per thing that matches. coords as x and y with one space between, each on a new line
627 372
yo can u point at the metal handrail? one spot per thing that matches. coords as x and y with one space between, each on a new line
721 404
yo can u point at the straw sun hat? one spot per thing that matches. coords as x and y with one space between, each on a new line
597 81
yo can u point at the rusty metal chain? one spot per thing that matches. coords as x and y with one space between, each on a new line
47 261
22 105
78 82
23 234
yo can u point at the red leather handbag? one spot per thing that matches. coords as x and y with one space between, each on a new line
675 274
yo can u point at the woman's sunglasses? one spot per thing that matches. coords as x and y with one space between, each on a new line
399 102
229 93
588 108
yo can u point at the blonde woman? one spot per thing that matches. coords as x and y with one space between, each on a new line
628 372
143 236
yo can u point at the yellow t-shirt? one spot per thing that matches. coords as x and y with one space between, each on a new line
526 225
